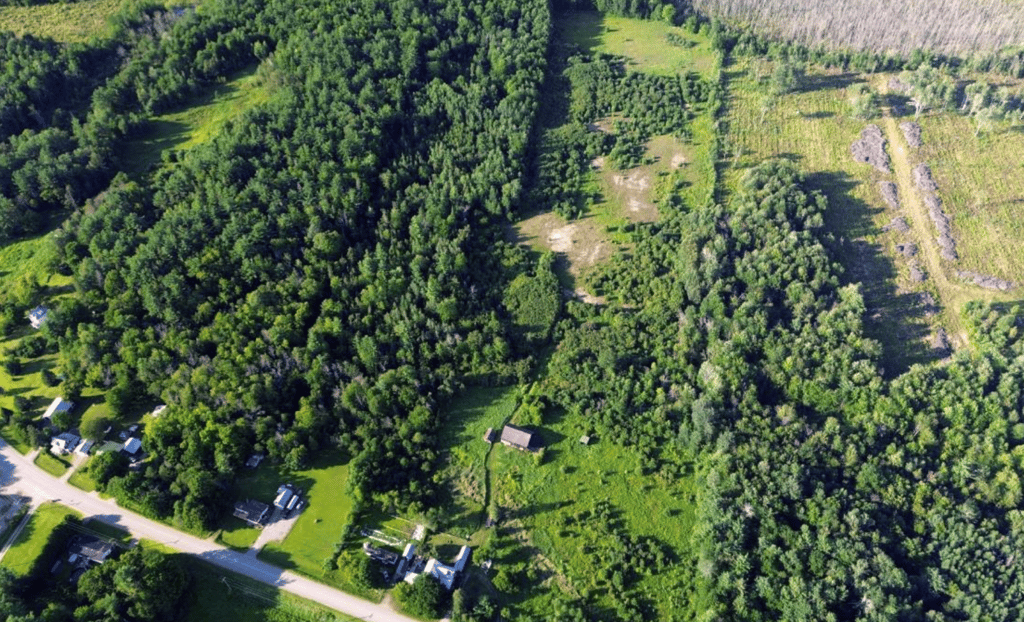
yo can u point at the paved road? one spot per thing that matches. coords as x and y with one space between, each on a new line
18 476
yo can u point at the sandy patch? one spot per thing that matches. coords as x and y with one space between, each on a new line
561 240
679 160
635 180
597 162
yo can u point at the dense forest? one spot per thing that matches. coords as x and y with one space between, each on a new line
324 272
333 266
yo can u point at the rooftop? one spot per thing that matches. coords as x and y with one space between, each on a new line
517 437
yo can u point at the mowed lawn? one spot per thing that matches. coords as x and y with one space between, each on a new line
981 183
318 529
32 539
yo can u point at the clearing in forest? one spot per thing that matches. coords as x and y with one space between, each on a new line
981 183
813 126
564 515
197 122
619 198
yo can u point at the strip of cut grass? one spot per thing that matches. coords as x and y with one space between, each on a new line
32 539
51 464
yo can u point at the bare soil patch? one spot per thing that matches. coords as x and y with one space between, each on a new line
923 178
890 194
582 244
631 190
679 160
907 249
940 342
871 148
917 275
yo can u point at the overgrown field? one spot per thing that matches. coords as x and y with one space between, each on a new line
982 188
952 27
68 22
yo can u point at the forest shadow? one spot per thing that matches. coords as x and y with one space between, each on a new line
897 319
820 82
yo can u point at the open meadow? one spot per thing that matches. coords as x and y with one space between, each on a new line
616 199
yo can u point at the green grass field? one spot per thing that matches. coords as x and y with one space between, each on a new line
198 122
981 183
534 501
217 595
52 464
313 538
645 43
67 22
467 419
32 539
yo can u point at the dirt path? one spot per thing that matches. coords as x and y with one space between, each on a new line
952 295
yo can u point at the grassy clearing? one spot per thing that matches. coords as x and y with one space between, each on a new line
813 127
52 464
109 532
644 43
198 122
32 539
468 418
217 595
631 196
982 188
539 499
67 22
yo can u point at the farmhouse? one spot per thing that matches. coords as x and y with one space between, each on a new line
58 405
384 556
252 512
517 437
37 317
63 443
462 559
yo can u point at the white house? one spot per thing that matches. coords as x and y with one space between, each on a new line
462 559
444 574
37 317
63 443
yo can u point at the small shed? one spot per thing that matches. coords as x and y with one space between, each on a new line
584 440
489 435
517 437
84 447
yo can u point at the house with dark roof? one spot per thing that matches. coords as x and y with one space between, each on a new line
517 437
252 512
86 549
